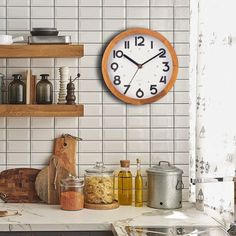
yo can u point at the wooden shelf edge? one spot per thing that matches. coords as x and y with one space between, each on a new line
53 110
42 51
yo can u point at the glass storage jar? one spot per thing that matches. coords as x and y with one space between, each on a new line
98 187
16 90
71 194
44 91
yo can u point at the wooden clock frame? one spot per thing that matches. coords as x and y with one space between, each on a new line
110 47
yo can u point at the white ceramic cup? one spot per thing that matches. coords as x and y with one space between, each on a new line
8 39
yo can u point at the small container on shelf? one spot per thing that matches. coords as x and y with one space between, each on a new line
16 90
98 188
44 91
71 194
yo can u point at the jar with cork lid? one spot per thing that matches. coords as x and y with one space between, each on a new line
125 183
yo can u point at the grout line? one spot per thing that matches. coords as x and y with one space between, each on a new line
150 105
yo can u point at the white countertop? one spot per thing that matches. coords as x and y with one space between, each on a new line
42 217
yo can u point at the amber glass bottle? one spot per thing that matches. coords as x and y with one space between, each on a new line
138 186
16 90
125 184
44 91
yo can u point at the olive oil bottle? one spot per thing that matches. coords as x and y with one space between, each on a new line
125 184
138 186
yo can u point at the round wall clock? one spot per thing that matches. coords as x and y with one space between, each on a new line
139 66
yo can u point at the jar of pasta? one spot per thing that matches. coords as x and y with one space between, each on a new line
98 187
72 196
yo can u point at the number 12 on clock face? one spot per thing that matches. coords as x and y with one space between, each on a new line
139 66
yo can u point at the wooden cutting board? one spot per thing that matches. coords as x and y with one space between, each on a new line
65 149
18 185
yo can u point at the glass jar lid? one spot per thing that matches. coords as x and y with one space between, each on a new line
72 181
100 168
164 167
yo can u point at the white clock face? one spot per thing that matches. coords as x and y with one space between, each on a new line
139 66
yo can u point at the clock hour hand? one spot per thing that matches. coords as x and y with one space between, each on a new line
130 59
151 59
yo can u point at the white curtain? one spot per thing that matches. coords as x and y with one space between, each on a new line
213 106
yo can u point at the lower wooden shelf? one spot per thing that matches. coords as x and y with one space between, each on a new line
41 110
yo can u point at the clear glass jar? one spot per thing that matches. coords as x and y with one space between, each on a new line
16 90
71 194
98 187
44 91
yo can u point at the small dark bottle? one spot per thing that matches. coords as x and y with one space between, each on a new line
44 92
16 90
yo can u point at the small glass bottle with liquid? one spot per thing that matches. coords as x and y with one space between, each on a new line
125 183
44 91
138 186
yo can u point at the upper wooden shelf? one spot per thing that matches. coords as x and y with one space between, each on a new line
41 50
42 110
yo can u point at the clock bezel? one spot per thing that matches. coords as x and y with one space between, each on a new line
106 76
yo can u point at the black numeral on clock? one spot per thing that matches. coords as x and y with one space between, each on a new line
126 44
116 80
118 54
114 66
163 79
153 89
166 64
162 53
127 86
139 41
151 44
139 93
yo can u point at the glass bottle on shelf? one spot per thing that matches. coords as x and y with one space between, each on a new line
138 186
125 184
16 90
44 91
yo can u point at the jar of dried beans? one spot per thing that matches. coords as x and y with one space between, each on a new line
72 196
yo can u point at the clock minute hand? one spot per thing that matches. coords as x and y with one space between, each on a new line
130 59
150 59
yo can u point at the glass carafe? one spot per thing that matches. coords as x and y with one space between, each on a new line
16 90
44 91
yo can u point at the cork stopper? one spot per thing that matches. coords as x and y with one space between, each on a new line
124 163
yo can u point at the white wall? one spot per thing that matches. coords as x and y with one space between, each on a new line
111 130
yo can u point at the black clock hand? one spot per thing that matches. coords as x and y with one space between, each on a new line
151 59
133 76
130 59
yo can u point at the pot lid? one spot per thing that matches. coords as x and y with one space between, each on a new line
164 167
99 168
72 181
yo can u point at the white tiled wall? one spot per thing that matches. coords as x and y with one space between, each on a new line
111 130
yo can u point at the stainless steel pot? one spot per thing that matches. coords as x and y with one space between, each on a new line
164 186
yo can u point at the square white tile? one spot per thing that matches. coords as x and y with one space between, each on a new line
138 134
113 12
66 12
137 12
90 146
90 12
18 3
114 110
90 122
18 122
18 158
2 159
42 2
18 134
114 122
42 134
90 134
40 158
138 122
42 146
114 134
18 146
42 122
66 122
66 3
114 146
42 12
138 146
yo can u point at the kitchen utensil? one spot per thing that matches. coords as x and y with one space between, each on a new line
41 184
49 39
72 196
164 186
65 149
8 213
8 39
98 187
56 172
44 32
18 185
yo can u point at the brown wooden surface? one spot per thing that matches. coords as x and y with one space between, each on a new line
55 174
65 149
41 51
33 89
113 205
19 185
42 110
41 184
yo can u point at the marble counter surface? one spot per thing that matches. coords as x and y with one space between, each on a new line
42 217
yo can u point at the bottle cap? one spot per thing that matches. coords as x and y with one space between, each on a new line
124 163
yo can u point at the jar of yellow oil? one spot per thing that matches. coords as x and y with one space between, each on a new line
125 183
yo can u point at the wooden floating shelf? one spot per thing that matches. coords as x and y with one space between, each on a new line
41 110
41 50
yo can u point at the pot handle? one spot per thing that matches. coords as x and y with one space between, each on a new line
179 185
167 162
3 196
